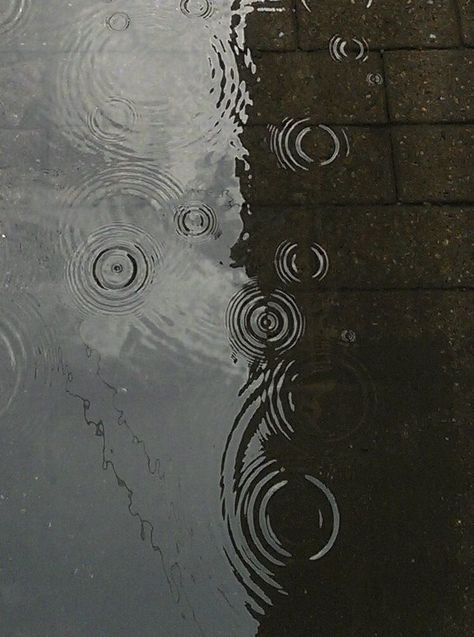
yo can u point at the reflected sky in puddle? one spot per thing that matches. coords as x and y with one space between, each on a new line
137 203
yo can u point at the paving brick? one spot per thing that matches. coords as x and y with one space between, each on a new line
434 163
430 86
43 26
364 176
58 26
416 347
21 90
466 8
304 85
272 26
422 316
388 24
367 247
22 160
405 465
22 149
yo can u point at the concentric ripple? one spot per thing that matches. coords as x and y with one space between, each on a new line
257 554
277 399
277 516
138 178
27 350
12 12
114 120
118 21
118 103
305 516
197 8
112 271
261 325
286 142
340 49
151 187
290 267
334 399
196 221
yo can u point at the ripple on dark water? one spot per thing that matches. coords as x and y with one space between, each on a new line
334 399
261 325
291 262
277 399
275 515
256 553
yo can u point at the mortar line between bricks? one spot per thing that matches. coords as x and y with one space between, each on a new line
370 206
365 125
378 49
457 11
434 288
289 205
447 202
296 23
390 127
368 124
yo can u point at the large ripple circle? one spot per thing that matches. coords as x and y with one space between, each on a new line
113 270
12 12
261 324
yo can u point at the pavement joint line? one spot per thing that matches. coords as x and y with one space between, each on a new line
396 179
363 124
422 288
381 49
371 206
457 10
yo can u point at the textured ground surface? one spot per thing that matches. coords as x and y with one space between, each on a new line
360 141
395 214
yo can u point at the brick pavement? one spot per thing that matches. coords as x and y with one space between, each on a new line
395 216
407 108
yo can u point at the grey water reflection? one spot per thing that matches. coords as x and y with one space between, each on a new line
118 382
184 412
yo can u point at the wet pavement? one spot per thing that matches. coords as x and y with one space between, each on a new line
236 318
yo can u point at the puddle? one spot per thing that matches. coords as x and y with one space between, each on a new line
198 429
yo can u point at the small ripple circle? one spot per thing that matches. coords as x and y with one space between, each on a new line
197 8
290 267
113 121
196 221
113 270
119 21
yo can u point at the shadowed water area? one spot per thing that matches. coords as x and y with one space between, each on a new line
236 318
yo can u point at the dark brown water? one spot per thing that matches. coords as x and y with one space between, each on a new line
213 422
